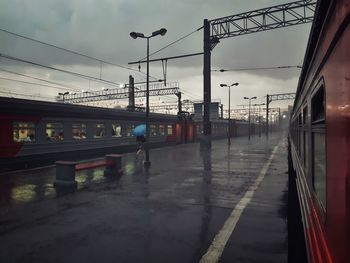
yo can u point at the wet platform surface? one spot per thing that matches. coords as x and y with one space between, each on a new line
168 213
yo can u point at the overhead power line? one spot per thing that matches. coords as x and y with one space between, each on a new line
67 50
60 70
31 83
26 95
74 52
43 80
263 68
172 43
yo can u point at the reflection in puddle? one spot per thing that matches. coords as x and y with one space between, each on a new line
29 186
23 193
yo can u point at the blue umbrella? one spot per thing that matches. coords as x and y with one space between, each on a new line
139 130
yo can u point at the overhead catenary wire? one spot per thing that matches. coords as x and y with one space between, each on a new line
72 52
43 80
26 95
261 68
60 70
172 43
31 83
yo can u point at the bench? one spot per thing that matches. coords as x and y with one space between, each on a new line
65 170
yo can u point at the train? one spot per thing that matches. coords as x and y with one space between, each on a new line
319 142
35 133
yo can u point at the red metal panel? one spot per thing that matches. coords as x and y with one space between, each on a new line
9 148
178 133
337 87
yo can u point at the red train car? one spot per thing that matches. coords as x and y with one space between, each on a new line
319 152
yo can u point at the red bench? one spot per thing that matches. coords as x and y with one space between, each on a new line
65 170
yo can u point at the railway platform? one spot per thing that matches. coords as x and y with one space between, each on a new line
219 205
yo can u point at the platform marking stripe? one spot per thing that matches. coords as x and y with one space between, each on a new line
216 248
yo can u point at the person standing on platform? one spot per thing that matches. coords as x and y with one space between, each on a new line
140 131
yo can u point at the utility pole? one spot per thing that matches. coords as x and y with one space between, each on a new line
221 110
206 141
179 104
267 116
131 105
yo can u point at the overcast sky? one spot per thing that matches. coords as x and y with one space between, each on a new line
100 28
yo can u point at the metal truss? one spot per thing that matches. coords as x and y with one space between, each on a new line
173 106
278 16
252 110
283 96
120 93
164 107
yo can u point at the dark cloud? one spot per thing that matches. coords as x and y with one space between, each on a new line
101 29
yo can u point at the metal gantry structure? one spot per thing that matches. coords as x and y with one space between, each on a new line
279 16
273 97
157 89
184 104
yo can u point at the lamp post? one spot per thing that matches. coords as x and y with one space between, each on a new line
229 109
63 94
135 35
246 98
259 117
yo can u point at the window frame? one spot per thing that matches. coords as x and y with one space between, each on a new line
318 126
49 139
18 128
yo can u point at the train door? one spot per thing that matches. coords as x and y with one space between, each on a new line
178 132
184 131
190 130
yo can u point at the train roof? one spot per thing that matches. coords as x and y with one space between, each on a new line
55 109
319 19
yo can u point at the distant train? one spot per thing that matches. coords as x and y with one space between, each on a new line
319 149
34 133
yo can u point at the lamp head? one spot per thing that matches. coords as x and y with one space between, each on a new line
223 85
135 35
246 98
161 32
235 84
253 98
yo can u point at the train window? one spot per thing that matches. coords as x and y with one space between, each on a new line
318 112
23 132
129 129
319 167
305 137
99 130
79 131
319 146
116 130
54 131
153 129
170 130
300 134
161 129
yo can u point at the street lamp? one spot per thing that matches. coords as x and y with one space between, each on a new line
246 98
135 35
229 109
63 94
259 116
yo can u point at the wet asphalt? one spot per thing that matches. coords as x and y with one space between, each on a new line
170 212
